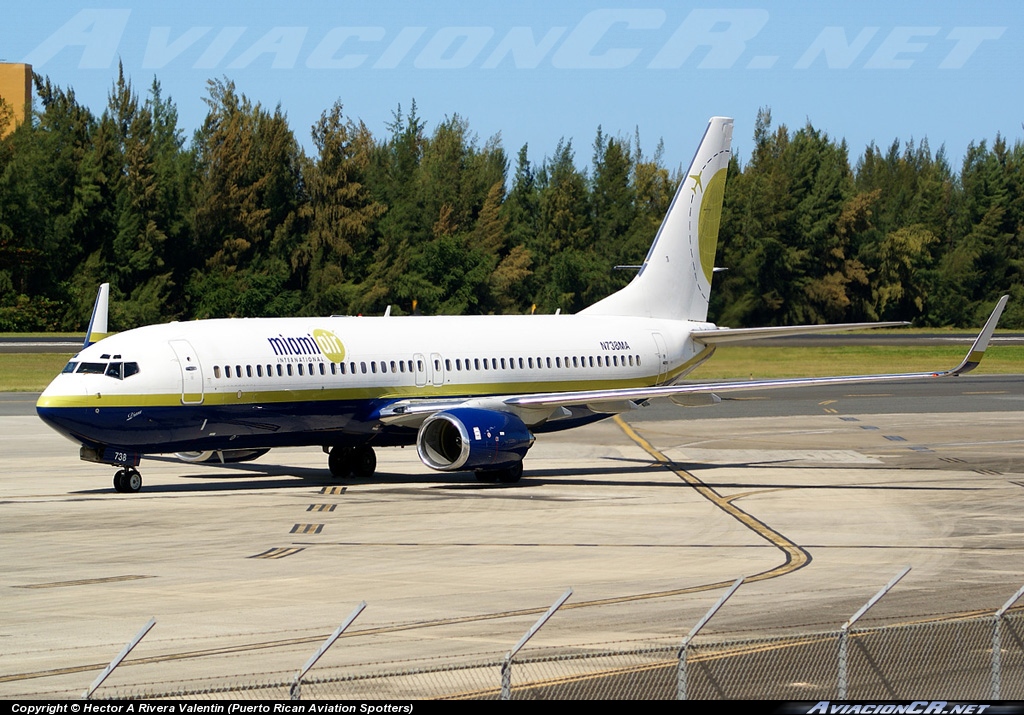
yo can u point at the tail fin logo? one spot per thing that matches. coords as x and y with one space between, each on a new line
710 220
697 182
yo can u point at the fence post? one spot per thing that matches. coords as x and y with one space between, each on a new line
118 658
506 667
844 632
681 682
295 691
997 644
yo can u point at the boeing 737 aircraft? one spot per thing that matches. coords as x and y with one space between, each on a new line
470 392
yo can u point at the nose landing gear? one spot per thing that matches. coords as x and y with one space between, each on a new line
127 480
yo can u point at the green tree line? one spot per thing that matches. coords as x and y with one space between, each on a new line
241 221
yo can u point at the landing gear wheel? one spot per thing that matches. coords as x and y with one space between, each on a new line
339 461
127 481
364 462
511 475
132 481
507 475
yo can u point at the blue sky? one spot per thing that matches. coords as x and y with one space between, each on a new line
540 71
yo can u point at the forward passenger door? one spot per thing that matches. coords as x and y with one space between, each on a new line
191 372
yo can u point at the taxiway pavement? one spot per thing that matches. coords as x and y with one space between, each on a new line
818 498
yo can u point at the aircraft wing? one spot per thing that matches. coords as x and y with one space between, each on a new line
716 336
546 405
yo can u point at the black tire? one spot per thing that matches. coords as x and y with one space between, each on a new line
339 461
119 481
511 475
364 462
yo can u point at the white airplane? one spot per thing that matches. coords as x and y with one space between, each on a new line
469 391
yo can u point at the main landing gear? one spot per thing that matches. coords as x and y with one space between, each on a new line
127 480
508 475
359 462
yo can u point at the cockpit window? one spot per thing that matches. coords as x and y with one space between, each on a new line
116 370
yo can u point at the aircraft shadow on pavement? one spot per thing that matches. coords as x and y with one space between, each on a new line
254 476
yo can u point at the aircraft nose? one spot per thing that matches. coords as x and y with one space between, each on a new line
60 405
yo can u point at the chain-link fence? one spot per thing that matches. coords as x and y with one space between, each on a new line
949 659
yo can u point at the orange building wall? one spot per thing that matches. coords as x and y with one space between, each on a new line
16 91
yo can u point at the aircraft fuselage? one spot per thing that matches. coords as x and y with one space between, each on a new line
262 383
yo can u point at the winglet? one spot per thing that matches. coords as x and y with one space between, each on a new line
977 351
98 322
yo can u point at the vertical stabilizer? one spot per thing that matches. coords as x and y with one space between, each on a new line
98 322
675 278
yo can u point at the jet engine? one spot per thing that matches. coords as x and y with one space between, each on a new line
472 438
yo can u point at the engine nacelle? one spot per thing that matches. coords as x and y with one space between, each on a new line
221 456
471 438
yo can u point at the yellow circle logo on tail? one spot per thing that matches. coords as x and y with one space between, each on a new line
710 220
330 345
